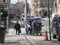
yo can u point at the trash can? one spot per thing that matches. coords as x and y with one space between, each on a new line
2 34
37 28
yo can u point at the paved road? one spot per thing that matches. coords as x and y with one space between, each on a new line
28 40
16 40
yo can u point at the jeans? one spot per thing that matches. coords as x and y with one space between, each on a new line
17 32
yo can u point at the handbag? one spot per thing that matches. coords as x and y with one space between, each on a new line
19 31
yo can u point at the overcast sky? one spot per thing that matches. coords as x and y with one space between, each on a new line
14 1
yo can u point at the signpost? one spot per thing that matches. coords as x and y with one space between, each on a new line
49 18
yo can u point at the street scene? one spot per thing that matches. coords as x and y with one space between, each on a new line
23 39
29 22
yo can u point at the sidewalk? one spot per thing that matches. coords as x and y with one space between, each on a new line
13 32
16 40
39 40
12 39
28 40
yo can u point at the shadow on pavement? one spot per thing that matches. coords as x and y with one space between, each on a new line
10 43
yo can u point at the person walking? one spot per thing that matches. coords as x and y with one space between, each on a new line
17 27
28 28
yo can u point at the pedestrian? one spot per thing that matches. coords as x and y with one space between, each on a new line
17 27
29 27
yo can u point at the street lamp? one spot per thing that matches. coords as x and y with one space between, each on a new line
25 14
38 7
38 10
49 18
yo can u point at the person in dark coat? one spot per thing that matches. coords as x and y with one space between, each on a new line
17 27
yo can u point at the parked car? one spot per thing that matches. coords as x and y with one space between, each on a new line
56 27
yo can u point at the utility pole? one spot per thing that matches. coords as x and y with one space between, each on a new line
38 7
0 17
49 18
8 18
25 14
57 5
25 8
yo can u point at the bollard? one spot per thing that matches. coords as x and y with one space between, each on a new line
2 34
45 36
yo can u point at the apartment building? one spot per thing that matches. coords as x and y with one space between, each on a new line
41 6
4 3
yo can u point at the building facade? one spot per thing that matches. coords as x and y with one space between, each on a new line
4 3
41 6
34 7
55 7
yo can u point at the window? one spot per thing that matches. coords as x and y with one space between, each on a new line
4 0
1 6
35 0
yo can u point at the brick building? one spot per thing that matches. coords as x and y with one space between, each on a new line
43 6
